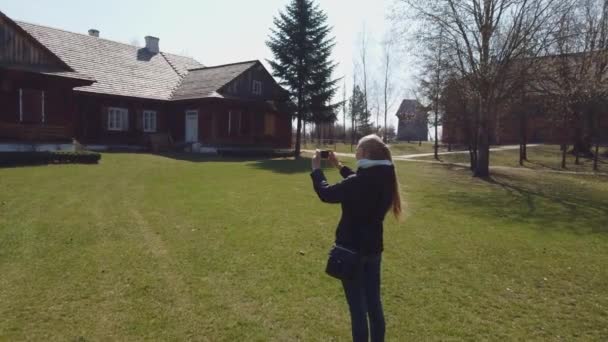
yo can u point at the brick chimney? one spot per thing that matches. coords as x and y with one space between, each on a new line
94 33
152 44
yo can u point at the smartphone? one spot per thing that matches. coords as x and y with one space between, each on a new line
324 154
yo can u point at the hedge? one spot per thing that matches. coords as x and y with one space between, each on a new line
42 158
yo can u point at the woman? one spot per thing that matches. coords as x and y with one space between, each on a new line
366 196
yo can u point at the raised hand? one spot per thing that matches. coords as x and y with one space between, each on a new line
333 160
316 160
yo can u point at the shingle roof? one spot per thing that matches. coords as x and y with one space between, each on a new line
205 82
181 64
407 106
49 71
119 69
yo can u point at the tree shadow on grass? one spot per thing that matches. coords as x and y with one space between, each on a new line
544 166
284 165
548 205
202 158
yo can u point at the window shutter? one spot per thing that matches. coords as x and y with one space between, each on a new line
139 120
269 124
245 123
154 121
235 123
259 124
105 112
223 125
125 120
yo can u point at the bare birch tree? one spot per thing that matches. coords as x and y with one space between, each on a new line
484 38
388 64
344 108
574 75
363 52
436 71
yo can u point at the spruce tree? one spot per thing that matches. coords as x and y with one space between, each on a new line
359 115
301 45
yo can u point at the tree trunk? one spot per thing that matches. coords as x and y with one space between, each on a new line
577 144
385 135
582 144
596 155
319 133
353 133
523 134
483 157
472 157
564 152
298 135
436 134
482 168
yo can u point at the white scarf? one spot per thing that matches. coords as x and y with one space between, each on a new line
365 163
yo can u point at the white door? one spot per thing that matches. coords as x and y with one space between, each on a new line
192 126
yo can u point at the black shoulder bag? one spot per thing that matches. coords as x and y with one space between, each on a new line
342 263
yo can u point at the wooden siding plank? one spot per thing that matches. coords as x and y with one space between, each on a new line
19 49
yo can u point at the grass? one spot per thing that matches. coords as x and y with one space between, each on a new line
148 247
543 157
397 148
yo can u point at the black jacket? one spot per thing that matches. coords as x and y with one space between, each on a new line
365 197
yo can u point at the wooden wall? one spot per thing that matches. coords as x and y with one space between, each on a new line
58 114
18 48
213 124
58 101
9 105
92 116
242 86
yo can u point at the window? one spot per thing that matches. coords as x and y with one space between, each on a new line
31 105
256 88
149 121
268 124
118 119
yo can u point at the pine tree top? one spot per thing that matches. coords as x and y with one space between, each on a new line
302 46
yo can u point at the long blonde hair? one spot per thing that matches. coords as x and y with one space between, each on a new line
376 149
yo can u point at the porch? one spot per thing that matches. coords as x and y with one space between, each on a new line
229 125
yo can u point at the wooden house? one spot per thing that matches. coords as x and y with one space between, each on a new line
412 122
56 86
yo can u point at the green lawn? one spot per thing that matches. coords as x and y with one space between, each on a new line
397 148
543 157
146 247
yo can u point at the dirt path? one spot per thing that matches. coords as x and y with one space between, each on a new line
418 155
166 265
494 149
412 158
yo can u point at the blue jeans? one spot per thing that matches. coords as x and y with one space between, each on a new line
363 297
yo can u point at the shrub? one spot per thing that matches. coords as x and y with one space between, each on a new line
41 158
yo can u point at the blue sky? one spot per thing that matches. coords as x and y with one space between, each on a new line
215 32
